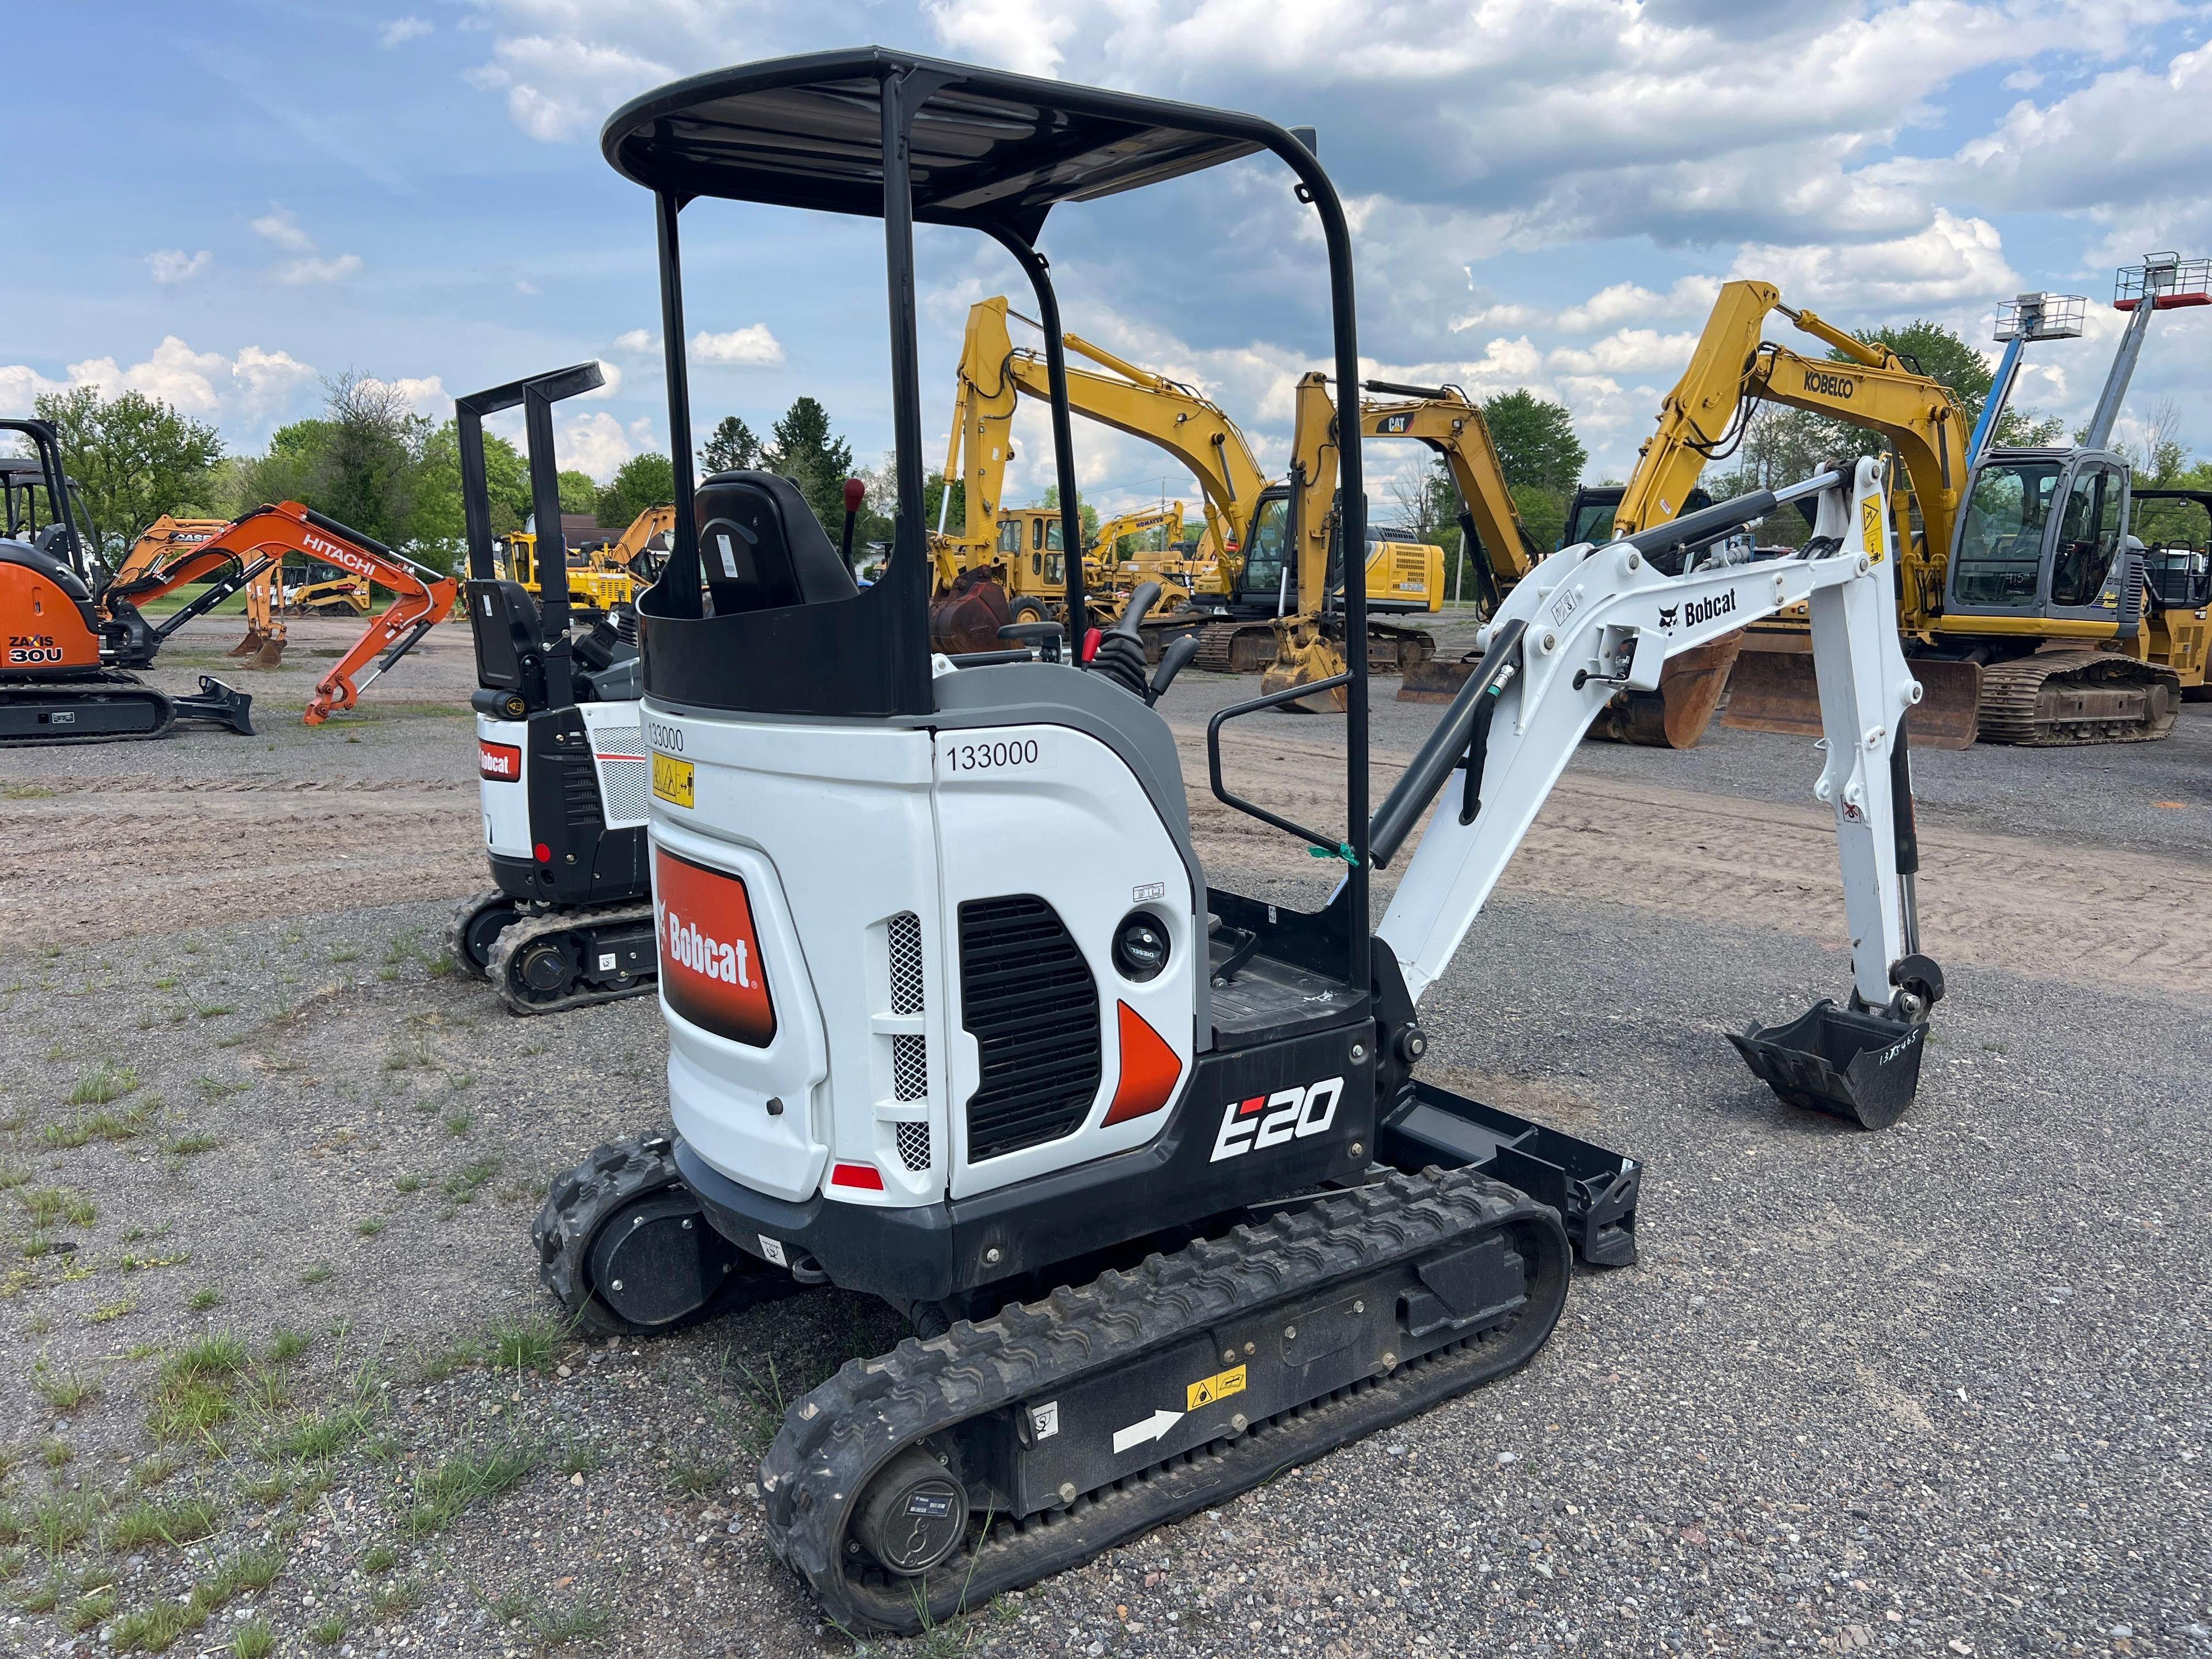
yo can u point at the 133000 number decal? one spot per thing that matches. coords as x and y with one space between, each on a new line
991 756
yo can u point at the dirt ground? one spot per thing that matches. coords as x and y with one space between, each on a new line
278 1359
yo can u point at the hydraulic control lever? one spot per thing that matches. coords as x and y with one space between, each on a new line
855 493
1121 652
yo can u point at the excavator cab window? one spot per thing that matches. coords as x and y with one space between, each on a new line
1010 536
1267 545
2000 556
2088 538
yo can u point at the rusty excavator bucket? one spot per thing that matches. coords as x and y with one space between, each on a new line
1673 717
968 616
267 650
1772 689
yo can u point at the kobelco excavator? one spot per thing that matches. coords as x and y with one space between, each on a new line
958 1016
2033 618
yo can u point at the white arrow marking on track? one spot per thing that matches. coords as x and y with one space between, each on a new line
1154 1427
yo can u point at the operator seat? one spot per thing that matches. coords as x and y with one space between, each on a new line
762 548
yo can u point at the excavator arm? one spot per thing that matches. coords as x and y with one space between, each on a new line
1593 619
993 376
421 596
1443 419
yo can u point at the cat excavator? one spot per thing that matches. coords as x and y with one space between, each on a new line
1245 617
2031 614
960 1019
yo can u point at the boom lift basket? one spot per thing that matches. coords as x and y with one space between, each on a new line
1864 1068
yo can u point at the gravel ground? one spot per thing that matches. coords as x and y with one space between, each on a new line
1940 1390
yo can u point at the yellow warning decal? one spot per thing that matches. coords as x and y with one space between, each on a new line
1207 1390
1871 510
671 779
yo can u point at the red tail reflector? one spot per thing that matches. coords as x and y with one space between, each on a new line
866 1176
1150 1070
544 853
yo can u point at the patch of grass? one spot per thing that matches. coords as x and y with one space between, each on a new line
267 1490
461 1482
382 1559
155 1629
106 1311
465 1182
62 1520
203 1298
285 1345
252 1639
580 1458
193 1397
92 1611
345 953
192 1146
268 1391
410 1053
697 1477
47 1205
458 1356
327 1632
409 1183
25 792
105 1082
13 1175
458 1123
131 1264
581 1620
531 1344
167 982
111 1127
388 1601
369 1225
65 1391
56 1454
212 1010
316 1274
42 1597
175 1524
323 1434
153 1471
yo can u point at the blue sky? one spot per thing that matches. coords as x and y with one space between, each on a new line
224 203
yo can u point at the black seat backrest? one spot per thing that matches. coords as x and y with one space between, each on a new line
510 653
762 548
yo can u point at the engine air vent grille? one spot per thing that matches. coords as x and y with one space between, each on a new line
904 937
1028 998
914 1146
909 1068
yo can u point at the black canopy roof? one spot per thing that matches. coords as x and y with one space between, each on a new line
989 148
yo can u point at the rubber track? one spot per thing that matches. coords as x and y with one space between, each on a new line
2011 689
528 928
833 1440
108 680
580 1202
457 945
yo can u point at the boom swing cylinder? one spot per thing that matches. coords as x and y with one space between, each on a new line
957 1017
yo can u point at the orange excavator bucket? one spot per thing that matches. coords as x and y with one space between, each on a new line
968 616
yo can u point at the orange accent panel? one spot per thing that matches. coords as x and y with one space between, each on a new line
1150 1070
710 966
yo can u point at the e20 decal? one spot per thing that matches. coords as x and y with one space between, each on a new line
1270 1120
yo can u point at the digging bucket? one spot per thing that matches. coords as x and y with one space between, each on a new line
1860 1067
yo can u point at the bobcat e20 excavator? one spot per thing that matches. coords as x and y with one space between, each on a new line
560 757
74 633
957 1017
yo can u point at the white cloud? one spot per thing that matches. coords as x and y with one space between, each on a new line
637 339
752 347
594 443
248 388
1020 34
296 272
1953 262
281 227
1627 351
175 265
424 394
1501 316
1624 302
611 380
400 30
525 286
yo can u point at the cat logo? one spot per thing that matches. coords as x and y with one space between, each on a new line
1668 616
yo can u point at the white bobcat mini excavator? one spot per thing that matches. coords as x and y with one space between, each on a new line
559 757
957 1018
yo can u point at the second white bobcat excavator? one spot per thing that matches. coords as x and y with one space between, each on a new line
958 1016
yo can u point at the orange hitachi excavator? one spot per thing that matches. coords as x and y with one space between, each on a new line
421 596
73 633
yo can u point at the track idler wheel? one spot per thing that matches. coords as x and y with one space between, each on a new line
627 1250
475 929
912 1515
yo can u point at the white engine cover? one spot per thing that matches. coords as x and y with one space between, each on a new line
857 846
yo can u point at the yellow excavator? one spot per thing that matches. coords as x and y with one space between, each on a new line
2029 610
1239 606
605 574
